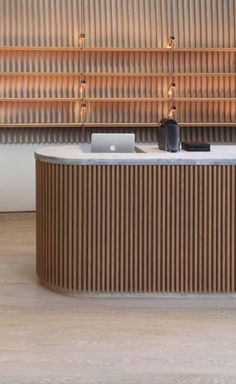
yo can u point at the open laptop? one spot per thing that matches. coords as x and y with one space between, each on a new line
112 142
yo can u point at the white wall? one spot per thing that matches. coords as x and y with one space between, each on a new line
17 177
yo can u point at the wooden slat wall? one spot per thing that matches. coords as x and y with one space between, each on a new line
142 134
118 86
136 228
117 23
76 135
109 62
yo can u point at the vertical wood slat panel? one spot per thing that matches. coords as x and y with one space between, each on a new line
136 228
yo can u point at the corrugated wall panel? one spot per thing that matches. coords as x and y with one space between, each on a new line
39 61
117 62
117 23
125 112
140 228
40 22
142 134
117 86
148 23
36 112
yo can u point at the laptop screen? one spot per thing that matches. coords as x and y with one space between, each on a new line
112 142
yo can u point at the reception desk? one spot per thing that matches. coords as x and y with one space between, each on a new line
147 222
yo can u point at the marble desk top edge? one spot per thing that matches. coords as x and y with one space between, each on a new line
148 155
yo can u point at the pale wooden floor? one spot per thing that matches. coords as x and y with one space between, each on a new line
49 338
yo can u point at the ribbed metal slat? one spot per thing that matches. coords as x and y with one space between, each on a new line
108 62
76 135
117 87
117 23
136 229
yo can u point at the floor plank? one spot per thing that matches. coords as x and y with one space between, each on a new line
49 338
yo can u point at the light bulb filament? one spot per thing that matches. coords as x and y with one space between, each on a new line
83 112
81 40
171 89
82 86
172 111
170 43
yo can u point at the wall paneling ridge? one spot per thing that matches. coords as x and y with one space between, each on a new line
124 62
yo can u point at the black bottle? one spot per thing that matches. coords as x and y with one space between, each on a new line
168 135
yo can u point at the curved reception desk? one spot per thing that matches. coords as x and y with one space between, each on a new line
148 222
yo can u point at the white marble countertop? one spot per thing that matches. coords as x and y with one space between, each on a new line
149 155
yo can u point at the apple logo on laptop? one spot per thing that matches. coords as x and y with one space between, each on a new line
112 148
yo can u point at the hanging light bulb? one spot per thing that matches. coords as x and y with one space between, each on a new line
171 89
172 111
81 40
83 107
82 86
170 43
83 112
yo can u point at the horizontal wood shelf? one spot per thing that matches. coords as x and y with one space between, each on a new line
118 99
159 99
78 75
39 99
116 49
111 125
111 74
